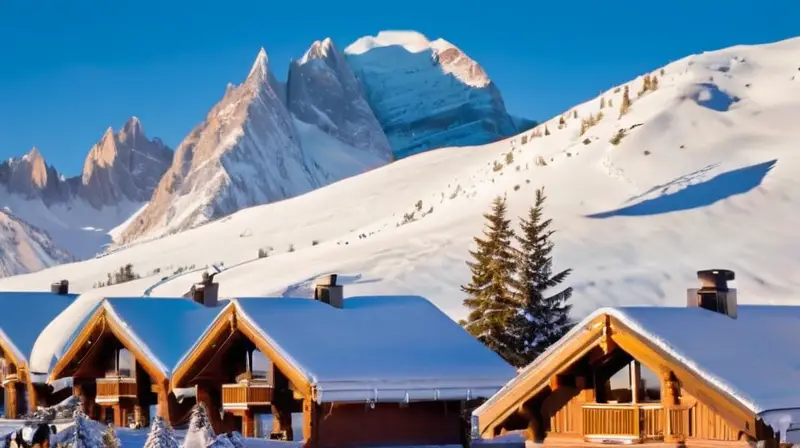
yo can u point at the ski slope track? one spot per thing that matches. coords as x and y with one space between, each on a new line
705 176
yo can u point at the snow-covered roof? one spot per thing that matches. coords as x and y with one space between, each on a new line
754 358
390 348
162 328
23 316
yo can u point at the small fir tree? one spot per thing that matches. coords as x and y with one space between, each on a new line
602 102
161 435
561 122
626 102
544 318
575 114
85 432
110 439
654 83
490 301
200 433
546 131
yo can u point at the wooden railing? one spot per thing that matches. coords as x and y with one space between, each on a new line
243 395
638 421
112 389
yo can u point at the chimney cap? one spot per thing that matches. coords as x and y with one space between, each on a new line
326 280
727 274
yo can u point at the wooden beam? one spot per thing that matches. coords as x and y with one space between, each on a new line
535 381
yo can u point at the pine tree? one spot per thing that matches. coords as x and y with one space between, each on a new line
546 131
544 319
561 122
602 102
85 432
490 300
161 435
200 433
654 83
110 439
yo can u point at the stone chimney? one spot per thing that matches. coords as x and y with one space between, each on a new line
206 292
60 287
327 291
714 294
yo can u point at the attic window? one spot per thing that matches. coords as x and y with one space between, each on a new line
633 383
259 365
121 364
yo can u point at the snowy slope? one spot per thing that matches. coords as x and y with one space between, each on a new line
427 94
698 180
25 248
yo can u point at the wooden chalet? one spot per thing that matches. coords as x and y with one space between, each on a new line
709 374
358 372
120 360
23 316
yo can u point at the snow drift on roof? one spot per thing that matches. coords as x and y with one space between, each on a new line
753 358
390 348
25 314
163 328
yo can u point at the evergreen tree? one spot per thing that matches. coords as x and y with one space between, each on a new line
84 433
602 102
654 83
200 433
561 122
544 319
490 300
626 102
546 131
110 439
161 435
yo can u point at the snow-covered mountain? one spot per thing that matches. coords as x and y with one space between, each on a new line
123 166
26 248
119 175
699 173
253 150
428 94
323 91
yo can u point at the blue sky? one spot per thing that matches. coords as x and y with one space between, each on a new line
69 70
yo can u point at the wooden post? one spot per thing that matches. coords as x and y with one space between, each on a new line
162 408
204 395
310 421
11 402
248 423
281 404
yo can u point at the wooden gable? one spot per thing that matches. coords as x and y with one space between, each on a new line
228 330
598 339
83 356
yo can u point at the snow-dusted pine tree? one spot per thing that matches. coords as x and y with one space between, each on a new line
85 433
544 318
110 439
491 302
200 433
222 441
161 435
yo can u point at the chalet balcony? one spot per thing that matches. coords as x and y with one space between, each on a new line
110 390
245 395
633 423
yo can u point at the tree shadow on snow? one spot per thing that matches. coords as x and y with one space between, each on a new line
702 194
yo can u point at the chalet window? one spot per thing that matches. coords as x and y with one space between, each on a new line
649 385
619 387
258 366
121 364
261 366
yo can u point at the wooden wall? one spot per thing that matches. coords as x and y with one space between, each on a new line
428 423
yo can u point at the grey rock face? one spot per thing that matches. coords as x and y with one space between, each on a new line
323 91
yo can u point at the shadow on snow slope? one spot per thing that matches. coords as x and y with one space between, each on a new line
702 194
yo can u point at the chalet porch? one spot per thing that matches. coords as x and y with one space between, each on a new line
608 397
